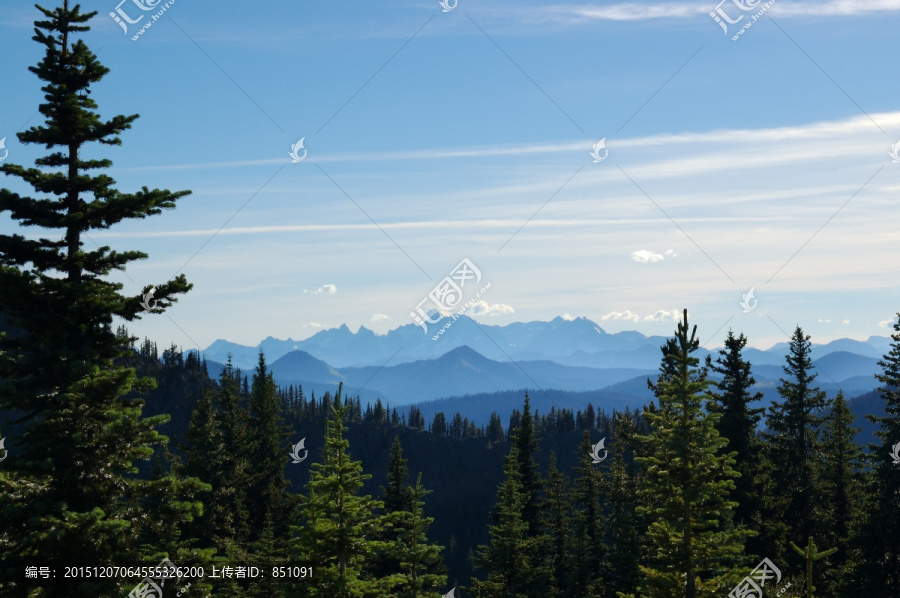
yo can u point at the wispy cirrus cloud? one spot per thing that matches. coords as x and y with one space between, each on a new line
575 14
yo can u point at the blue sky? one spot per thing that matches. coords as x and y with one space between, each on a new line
761 162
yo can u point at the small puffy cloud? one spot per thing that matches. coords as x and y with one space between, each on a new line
846 322
380 317
483 308
643 256
567 317
671 253
325 289
621 315
312 325
826 321
886 323
661 315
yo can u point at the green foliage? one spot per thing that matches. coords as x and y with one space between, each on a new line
738 425
70 488
842 481
268 498
794 445
589 525
558 524
421 565
810 555
692 545
508 557
878 561
623 534
340 525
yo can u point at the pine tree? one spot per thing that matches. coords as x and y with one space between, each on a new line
268 494
589 550
692 542
421 564
794 445
70 490
738 425
624 527
526 442
879 554
841 485
397 499
558 525
340 525
507 558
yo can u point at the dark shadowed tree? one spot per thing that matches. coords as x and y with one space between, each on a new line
69 488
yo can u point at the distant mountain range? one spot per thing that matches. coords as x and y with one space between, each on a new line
477 369
575 342
546 357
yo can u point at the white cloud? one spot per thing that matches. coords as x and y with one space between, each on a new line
886 323
325 289
621 315
661 315
671 253
643 256
567 317
846 322
483 308
826 321
312 325
380 317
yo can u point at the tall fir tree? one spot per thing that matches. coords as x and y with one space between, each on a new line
842 481
692 545
421 564
340 526
794 447
268 497
70 489
508 557
878 560
397 499
623 533
558 525
738 425
526 442
588 565
229 508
